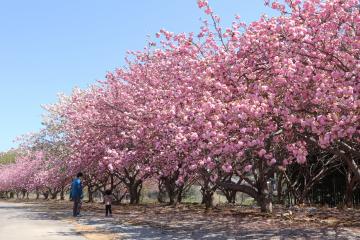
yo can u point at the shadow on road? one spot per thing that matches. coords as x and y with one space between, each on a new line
93 223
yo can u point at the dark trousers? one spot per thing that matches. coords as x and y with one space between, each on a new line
108 210
77 206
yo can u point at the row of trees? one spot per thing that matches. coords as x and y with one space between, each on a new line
227 109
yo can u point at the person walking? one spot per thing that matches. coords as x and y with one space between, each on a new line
108 202
76 194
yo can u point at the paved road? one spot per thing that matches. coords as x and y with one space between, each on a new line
18 222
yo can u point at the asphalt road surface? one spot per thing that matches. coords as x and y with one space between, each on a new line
31 221
18 222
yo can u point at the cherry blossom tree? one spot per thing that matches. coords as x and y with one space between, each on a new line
227 108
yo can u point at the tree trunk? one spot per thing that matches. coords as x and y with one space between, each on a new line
230 196
172 190
207 195
91 194
162 192
350 184
258 194
46 195
172 198
303 197
54 194
279 189
180 195
62 194
348 198
352 165
262 202
23 193
134 189
262 196
208 199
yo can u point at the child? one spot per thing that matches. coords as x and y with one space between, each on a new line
108 201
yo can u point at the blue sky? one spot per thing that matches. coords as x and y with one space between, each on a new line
48 47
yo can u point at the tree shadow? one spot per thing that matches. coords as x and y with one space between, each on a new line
143 223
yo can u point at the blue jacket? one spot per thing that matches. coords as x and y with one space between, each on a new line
76 191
